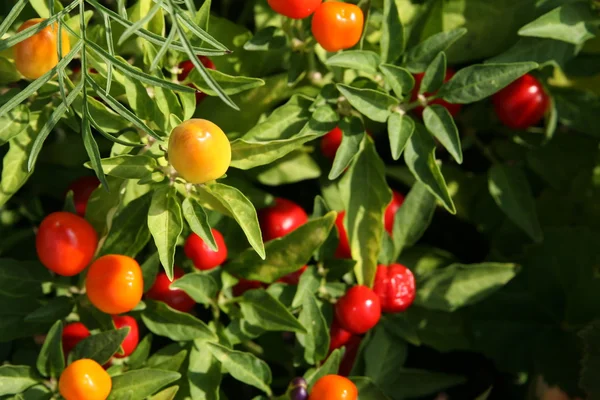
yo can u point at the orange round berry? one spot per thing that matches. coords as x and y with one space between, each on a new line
337 26
38 54
199 151
65 243
334 387
114 284
84 379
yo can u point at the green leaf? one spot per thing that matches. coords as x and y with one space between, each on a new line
384 356
197 219
93 318
573 22
420 56
420 159
541 51
241 209
204 373
164 321
418 383
440 124
434 75
150 269
413 217
16 378
101 346
244 367
309 284
128 166
460 285
353 134
365 209
56 309
399 79
141 352
476 82
269 38
360 60
373 104
511 191
329 367
261 309
231 84
400 129
13 123
8 71
50 362
294 167
22 278
284 255
392 33
141 383
316 341
103 204
201 287
166 394
367 389
165 224
172 362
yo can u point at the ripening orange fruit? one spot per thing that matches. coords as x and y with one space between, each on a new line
337 25
199 151
334 387
84 379
114 284
38 54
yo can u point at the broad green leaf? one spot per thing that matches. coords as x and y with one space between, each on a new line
171 363
100 347
16 378
229 83
261 309
103 204
201 287
93 318
309 284
241 209
476 82
284 255
316 341
244 367
294 167
440 124
399 79
269 38
129 232
367 389
329 367
166 394
140 383
400 129
434 75
141 352
579 110
459 285
22 278
56 309
204 373
573 22
384 355
8 71
353 134
197 219
373 104
413 217
511 191
420 56
129 166
356 59
150 269
165 224
419 156
164 321
541 51
419 383
144 106
50 362
365 209
13 123
392 33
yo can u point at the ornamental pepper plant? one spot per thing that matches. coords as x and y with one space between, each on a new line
299 199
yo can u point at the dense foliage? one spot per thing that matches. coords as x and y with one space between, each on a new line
209 199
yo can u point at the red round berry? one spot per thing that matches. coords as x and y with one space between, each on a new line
391 210
294 277
244 285
343 249
280 219
521 104
200 253
187 67
133 337
330 143
350 354
72 334
177 299
395 286
452 108
358 310
339 336
82 190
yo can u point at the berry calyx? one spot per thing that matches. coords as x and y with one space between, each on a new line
82 190
133 337
65 243
201 254
337 26
391 210
453 109
343 249
84 379
358 310
521 104
177 299
395 287
280 219
295 9
334 387
187 66
199 151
